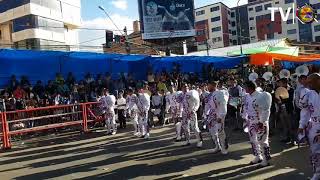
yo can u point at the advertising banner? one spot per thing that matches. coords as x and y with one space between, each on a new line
166 18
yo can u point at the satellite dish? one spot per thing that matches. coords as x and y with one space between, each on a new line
284 73
253 77
267 76
302 70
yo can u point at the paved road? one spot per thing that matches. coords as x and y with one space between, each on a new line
96 156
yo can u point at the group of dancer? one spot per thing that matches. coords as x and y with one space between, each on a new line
256 109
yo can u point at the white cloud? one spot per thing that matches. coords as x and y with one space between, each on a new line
103 23
120 4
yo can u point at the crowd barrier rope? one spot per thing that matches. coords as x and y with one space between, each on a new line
22 122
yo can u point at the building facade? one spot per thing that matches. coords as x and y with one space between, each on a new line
40 24
252 23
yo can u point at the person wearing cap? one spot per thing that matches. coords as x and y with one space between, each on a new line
256 113
309 121
216 111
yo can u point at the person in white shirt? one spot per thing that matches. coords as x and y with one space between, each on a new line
216 111
256 113
121 106
310 121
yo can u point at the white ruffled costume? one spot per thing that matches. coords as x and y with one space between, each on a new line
108 104
310 121
216 108
256 112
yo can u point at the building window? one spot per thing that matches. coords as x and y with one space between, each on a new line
270 36
289 21
250 9
215 9
234 32
288 1
229 31
267 16
277 2
215 19
251 18
216 29
267 6
258 8
292 31
317 28
217 39
201 32
232 14
229 12
233 23
270 26
252 28
234 42
317 38
253 37
198 13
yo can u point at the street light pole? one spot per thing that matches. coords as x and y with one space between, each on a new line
105 12
239 25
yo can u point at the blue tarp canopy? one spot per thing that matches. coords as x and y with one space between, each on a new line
43 65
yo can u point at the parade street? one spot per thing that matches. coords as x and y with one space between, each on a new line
123 156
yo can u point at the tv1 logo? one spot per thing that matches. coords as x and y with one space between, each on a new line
305 14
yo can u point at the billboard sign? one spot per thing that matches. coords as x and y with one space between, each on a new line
166 18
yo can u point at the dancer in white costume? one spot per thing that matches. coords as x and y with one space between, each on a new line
190 101
216 111
132 111
310 121
175 110
256 112
108 104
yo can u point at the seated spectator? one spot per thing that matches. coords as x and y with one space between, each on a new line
50 88
88 79
19 93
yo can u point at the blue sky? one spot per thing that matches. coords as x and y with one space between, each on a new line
123 12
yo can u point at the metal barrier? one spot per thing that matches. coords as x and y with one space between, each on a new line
41 119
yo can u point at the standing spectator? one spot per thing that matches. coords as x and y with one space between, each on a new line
25 84
121 104
59 79
162 86
38 89
70 80
13 83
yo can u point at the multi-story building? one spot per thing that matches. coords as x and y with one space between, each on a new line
252 22
39 24
212 25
